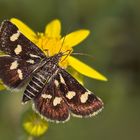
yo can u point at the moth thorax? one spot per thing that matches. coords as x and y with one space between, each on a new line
56 58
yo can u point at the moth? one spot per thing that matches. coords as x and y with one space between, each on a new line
56 94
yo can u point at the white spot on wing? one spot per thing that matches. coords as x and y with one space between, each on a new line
88 92
20 74
55 71
35 56
56 83
62 79
14 65
70 94
15 36
18 49
84 97
30 61
45 96
57 101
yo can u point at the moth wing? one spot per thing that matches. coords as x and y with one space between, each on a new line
81 102
14 72
15 44
50 104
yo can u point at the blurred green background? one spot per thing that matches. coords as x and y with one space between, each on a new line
114 43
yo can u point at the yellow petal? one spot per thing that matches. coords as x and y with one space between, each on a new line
2 87
53 29
75 38
85 69
29 33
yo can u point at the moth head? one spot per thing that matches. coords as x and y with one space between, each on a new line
61 56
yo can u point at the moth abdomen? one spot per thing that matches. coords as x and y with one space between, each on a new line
37 83
34 87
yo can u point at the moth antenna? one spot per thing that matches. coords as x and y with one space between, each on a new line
64 38
62 44
83 54
69 52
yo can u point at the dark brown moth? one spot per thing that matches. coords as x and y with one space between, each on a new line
55 93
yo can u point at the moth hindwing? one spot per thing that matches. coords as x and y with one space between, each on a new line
55 93
64 96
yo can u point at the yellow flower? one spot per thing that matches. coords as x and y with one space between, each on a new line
34 125
52 41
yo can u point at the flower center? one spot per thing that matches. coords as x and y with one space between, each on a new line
52 46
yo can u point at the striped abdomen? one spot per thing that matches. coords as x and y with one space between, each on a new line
35 86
